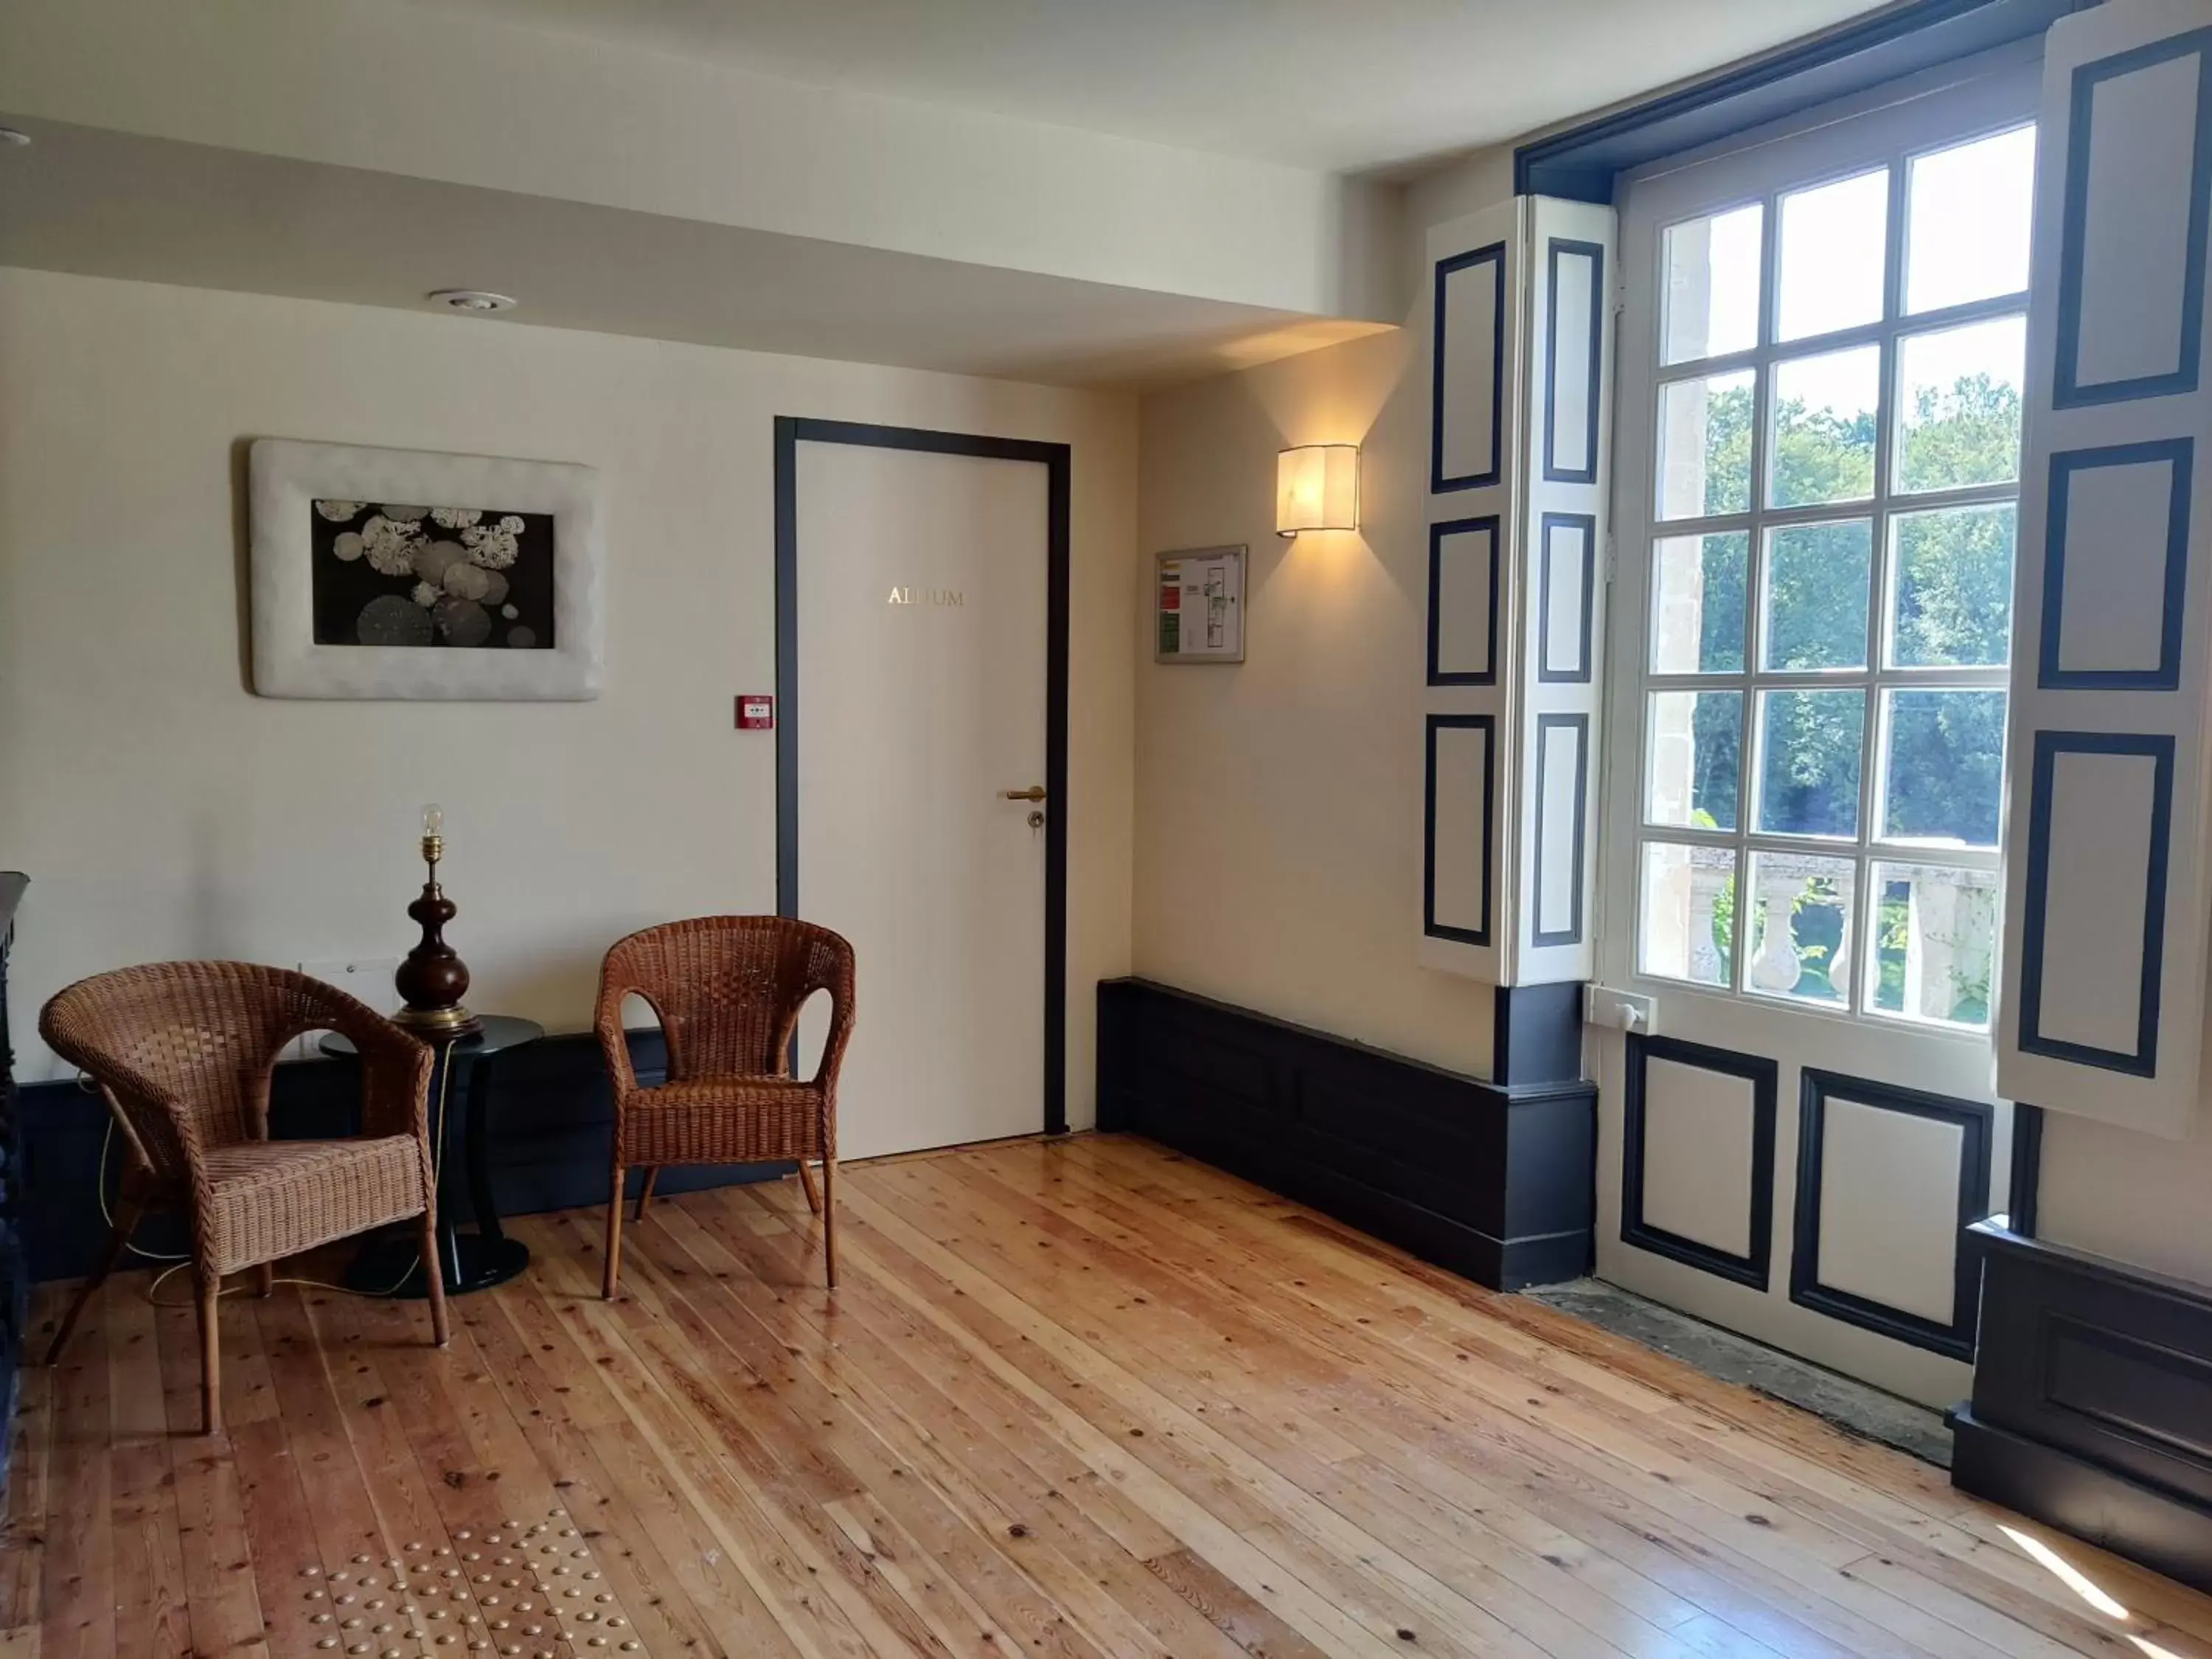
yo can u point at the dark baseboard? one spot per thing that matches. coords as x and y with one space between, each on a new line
552 1113
1492 1182
2093 1402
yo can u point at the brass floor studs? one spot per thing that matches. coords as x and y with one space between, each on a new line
542 1598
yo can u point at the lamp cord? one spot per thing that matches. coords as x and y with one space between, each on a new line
179 1263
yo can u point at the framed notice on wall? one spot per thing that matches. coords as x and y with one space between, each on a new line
1198 606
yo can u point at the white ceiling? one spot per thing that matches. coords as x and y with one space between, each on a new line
1339 85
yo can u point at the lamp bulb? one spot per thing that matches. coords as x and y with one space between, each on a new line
433 819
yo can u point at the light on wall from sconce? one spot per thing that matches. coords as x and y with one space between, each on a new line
1317 488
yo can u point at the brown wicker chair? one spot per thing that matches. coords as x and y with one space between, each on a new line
727 990
182 1053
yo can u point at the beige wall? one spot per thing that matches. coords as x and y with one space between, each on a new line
163 810
1278 803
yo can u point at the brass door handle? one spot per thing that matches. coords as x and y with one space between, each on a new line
1035 792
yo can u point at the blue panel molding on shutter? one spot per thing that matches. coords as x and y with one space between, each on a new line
1487 527
1575 729
1578 669
1435 928
1440 480
2142 1059
2179 455
2069 390
1582 469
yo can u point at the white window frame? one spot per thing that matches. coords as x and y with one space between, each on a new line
1935 111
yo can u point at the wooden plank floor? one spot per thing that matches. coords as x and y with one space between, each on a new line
1081 1399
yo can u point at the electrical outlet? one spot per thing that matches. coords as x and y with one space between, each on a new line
368 978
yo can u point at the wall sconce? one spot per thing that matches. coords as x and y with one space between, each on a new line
1317 488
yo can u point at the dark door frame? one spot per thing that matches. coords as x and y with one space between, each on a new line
791 431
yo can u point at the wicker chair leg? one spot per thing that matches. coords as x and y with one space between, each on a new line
830 1219
210 1355
127 1213
614 1238
265 1281
645 1191
813 1193
441 1332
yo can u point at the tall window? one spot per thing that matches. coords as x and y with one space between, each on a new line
1834 477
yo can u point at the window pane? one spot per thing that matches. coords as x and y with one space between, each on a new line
1801 926
1809 765
1833 246
1688 922
1689 766
1697 603
1705 446
1814 582
1824 415
1966 220
1952 581
1943 766
1935 942
1958 405
1712 303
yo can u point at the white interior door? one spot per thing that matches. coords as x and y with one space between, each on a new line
921 599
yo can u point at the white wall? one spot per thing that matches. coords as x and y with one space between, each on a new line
163 810
2133 1197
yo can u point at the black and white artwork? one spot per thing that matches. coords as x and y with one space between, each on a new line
469 578
395 574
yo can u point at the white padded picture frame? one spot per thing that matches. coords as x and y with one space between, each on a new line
286 477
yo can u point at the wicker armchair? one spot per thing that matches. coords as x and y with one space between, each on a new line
728 991
182 1053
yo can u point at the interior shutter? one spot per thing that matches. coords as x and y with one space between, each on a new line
1521 342
2102 1010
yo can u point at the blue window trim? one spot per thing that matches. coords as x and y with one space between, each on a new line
2067 391
2035 900
2181 454
1486 524
1573 932
1487 724
1582 162
1579 672
1439 483
1554 472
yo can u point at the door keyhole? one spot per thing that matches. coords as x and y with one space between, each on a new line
1036 820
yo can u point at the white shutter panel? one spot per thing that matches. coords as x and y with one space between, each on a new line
1573 272
1520 345
2106 897
1474 426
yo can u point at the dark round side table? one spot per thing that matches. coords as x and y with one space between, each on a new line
472 1262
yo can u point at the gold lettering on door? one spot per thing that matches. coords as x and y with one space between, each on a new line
943 595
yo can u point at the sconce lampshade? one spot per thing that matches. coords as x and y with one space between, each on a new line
1317 488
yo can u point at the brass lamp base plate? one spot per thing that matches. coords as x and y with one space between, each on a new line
453 1021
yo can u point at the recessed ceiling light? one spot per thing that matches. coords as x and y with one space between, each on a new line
473 299
10 137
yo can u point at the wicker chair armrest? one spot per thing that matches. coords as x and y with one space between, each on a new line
395 1072
614 1039
834 1041
124 1088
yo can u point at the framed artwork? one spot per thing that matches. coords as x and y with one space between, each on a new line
1198 606
397 574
